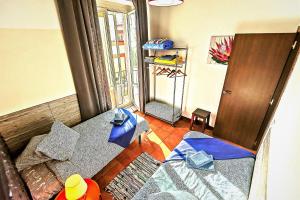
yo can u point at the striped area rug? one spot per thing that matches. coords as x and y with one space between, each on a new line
126 184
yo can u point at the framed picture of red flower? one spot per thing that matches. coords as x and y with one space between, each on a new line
220 49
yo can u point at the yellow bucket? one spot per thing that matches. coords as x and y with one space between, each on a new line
75 187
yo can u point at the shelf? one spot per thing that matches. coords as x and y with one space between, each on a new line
154 63
172 49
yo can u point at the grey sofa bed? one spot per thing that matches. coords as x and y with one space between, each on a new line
93 151
174 181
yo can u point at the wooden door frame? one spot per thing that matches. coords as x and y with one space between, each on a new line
286 73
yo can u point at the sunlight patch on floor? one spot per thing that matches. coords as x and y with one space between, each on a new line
154 138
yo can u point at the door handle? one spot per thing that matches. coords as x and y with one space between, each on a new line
226 92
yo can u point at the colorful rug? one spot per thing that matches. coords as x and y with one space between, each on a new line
126 184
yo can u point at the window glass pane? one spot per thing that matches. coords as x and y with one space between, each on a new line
123 66
133 57
114 50
120 18
135 77
122 50
119 63
112 27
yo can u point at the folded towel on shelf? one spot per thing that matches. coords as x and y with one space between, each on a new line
169 62
167 57
159 44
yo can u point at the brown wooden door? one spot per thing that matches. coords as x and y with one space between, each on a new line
254 69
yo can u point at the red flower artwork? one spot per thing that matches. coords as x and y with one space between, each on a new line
221 50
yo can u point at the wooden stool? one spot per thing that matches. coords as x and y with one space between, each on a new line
202 114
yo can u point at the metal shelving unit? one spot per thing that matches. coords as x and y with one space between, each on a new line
176 67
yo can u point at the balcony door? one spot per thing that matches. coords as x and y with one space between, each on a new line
119 45
132 41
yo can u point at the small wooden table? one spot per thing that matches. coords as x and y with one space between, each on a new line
203 115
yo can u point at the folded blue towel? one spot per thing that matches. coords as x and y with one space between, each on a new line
119 119
200 160
208 167
163 44
122 134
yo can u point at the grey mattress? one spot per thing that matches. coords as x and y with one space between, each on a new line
163 111
174 180
93 151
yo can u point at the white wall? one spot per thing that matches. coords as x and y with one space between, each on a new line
28 14
195 21
284 158
34 67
